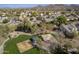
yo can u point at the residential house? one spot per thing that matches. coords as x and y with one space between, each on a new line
48 18
34 20
71 17
3 18
69 30
77 25
48 41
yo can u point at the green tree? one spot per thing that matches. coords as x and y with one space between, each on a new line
27 26
12 27
34 28
4 31
20 27
61 20
5 21
34 13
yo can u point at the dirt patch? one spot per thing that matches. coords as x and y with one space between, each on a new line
24 46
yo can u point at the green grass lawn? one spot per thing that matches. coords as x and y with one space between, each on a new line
10 45
11 48
35 51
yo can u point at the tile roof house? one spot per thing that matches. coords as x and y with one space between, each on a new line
48 18
34 20
77 25
71 17
68 30
3 18
47 37
48 40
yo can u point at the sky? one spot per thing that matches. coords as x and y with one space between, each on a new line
20 5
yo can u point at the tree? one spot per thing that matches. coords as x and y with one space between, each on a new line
19 27
61 20
63 12
34 28
25 26
12 27
5 21
57 49
47 13
34 13
4 31
28 26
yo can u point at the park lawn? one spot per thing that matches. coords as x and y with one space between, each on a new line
10 46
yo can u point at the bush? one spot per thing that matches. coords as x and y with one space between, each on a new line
5 21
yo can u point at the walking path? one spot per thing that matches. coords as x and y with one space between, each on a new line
17 33
13 34
2 46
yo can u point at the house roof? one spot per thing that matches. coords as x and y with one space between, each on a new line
48 37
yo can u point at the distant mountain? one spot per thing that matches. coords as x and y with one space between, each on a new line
49 7
56 7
